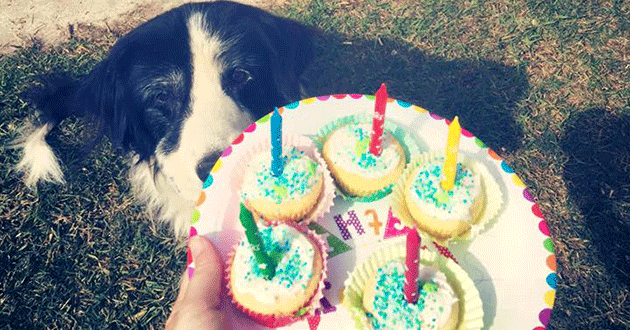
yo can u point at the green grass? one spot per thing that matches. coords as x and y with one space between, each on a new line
544 83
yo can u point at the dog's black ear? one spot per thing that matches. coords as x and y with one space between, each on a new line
292 45
106 97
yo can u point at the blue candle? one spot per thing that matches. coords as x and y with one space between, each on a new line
276 144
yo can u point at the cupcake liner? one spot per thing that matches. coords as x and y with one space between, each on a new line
276 321
494 197
471 308
408 143
326 197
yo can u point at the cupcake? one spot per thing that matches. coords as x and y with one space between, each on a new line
419 200
290 196
386 307
294 291
447 297
444 214
355 169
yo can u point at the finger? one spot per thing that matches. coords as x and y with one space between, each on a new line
183 285
205 285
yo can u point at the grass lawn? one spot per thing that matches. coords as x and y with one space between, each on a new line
546 84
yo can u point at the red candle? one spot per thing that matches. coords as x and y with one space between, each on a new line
411 266
378 120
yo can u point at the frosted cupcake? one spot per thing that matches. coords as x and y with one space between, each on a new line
386 307
444 214
356 170
288 197
295 289
447 297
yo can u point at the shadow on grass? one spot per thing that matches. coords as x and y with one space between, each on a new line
597 173
482 93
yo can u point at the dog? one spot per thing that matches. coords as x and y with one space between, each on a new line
171 95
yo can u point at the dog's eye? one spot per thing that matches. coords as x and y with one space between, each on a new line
161 97
240 76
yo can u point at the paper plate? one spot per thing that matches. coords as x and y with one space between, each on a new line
511 261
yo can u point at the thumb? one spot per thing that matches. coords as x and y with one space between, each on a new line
205 285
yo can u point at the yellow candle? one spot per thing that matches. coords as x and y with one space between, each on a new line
452 148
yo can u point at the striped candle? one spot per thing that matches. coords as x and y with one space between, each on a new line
412 259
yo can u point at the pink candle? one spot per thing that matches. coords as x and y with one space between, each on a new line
378 120
411 266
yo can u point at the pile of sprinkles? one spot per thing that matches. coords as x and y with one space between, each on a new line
394 312
427 189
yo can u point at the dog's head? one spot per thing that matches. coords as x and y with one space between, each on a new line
178 89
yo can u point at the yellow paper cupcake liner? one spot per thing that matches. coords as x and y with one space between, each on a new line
408 143
494 197
471 307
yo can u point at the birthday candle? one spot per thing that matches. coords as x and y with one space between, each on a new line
378 121
412 258
266 264
277 165
449 169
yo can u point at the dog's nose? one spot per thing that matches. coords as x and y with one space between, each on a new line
205 165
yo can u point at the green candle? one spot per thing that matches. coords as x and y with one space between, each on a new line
266 264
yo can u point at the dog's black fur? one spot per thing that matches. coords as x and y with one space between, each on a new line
142 94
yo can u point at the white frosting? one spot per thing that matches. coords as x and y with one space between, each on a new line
296 255
426 191
434 306
350 150
299 176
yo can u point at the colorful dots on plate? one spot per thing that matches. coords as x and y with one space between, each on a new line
505 167
239 139
308 101
195 216
550 297
528 195
436 116
323 97
548 244
544 316
201 199
292 105
517 181
536 211
493 154
356 96
208 182
551 262
542 226
403 104
250 128
552 280
479 143
264 119
193 232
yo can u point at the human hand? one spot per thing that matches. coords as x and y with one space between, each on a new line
197 304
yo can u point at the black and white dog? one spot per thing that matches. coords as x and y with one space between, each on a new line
173 94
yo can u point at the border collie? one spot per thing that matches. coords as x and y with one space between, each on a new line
172 95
